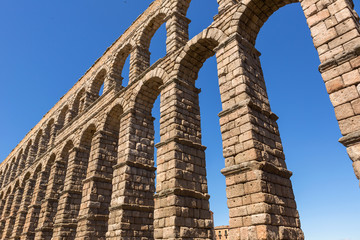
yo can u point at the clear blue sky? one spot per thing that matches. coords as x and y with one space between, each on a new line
46 46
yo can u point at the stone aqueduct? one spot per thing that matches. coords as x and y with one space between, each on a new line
86 170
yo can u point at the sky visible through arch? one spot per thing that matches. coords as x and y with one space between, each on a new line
46 46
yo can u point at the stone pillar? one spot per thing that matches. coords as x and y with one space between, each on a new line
13 170
13 212
65 222
32 216
96 192
23 209
31 157
181 199
6 213
49 205
224 4
177 28
335 29
132 201
258 187
139 61
54 128
22 163
70 114
114 80
43 144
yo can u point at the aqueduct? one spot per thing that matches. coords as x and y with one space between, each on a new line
86 170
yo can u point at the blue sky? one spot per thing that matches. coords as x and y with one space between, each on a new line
46 46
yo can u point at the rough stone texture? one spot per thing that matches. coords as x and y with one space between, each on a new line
86 170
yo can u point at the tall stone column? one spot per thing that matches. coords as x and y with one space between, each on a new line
54 128
32 216
6 213
65 222
49 205
181 199
177 28
335 29
132 202
139 61
96 192
114 80
9 224
22 163
23 209
258 187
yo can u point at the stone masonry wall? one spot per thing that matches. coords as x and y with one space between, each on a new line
86 170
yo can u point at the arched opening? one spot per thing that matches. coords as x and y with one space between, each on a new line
98 188
17 192
201 49
13 169
79 103
97 86
61 121
200 21
27 154
37 149
7 208
49 135
21 162
6 175
154 38
121 66
28 184
32 216
308 127
1 179
70 199
210 107
55 186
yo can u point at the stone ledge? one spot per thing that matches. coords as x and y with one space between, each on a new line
183 141
254 165
339 59
133 207
182 192
350 139
97 179
136 165
101 217
248 103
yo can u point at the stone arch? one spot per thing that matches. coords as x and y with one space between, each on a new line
196 52
117 66
25 178
78 105
38 169
252 15
21 159
49 133
50 161
6 175
97 82
1 178
14 168
37 147
28 191
56 183
61 119
27 153
140 55
78 170
96 193
150 28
